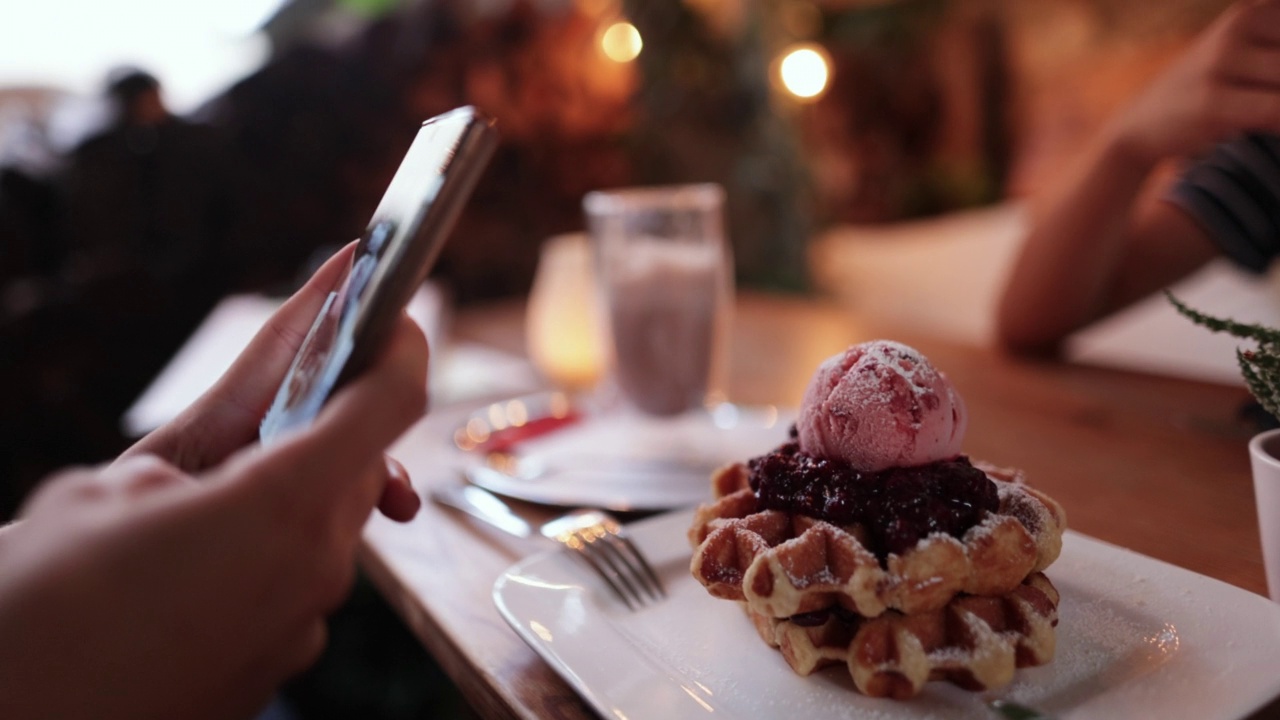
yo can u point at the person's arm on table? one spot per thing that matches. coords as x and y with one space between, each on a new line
193 575
1107 237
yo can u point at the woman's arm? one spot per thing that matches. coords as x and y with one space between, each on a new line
1105 237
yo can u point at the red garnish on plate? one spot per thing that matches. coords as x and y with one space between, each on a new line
505 440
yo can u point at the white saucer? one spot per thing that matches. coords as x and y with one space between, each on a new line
617 460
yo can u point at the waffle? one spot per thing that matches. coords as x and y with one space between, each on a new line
974 642
781 564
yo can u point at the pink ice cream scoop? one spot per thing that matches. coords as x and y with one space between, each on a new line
879 405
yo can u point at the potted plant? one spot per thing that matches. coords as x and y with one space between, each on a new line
1260 368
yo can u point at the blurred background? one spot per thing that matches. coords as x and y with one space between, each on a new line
156 157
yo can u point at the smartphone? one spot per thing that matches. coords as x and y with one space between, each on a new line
402 241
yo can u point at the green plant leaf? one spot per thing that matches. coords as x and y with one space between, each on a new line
1261 372
1259 367
1263 335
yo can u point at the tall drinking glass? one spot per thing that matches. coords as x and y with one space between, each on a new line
665 274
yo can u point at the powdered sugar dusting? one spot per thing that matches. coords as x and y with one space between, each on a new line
982 530
885 372
898 360
745 678
936 537
881 404
1018 501
1093 639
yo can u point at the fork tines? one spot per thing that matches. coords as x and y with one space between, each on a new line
606 547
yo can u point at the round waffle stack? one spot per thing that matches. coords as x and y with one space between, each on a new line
967 610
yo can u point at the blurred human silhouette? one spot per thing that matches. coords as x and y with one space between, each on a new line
151 194
139 221
1189 170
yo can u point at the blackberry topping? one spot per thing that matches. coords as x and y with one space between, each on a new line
898 506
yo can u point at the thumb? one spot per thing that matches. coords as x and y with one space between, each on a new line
340 457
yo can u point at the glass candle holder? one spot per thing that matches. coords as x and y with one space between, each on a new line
563 329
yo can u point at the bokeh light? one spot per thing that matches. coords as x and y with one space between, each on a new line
621 42
804 72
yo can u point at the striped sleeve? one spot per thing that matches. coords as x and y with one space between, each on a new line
1234 193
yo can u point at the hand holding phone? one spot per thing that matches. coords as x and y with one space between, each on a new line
394 255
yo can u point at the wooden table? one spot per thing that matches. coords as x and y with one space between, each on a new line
1153 464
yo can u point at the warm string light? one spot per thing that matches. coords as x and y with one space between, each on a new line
621 42
804 71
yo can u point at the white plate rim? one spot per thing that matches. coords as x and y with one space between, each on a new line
1252 620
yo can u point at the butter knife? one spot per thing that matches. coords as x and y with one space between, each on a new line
484 506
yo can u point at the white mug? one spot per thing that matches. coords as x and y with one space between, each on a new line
1264 456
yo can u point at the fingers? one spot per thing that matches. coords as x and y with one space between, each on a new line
139 474
226 417
1247 109
128 479
373 410
252 380
399 502
318 486
338 462
1260 22
1252 65
1236 48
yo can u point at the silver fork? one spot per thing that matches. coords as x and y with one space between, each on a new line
604 544
594 536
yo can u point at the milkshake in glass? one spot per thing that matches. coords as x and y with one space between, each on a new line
666 284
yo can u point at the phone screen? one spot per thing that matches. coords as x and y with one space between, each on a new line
395 253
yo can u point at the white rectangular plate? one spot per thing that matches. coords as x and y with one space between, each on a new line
1136 638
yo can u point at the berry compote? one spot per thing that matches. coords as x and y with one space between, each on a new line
898 506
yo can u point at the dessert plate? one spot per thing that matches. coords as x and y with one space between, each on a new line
549 449
1136 638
